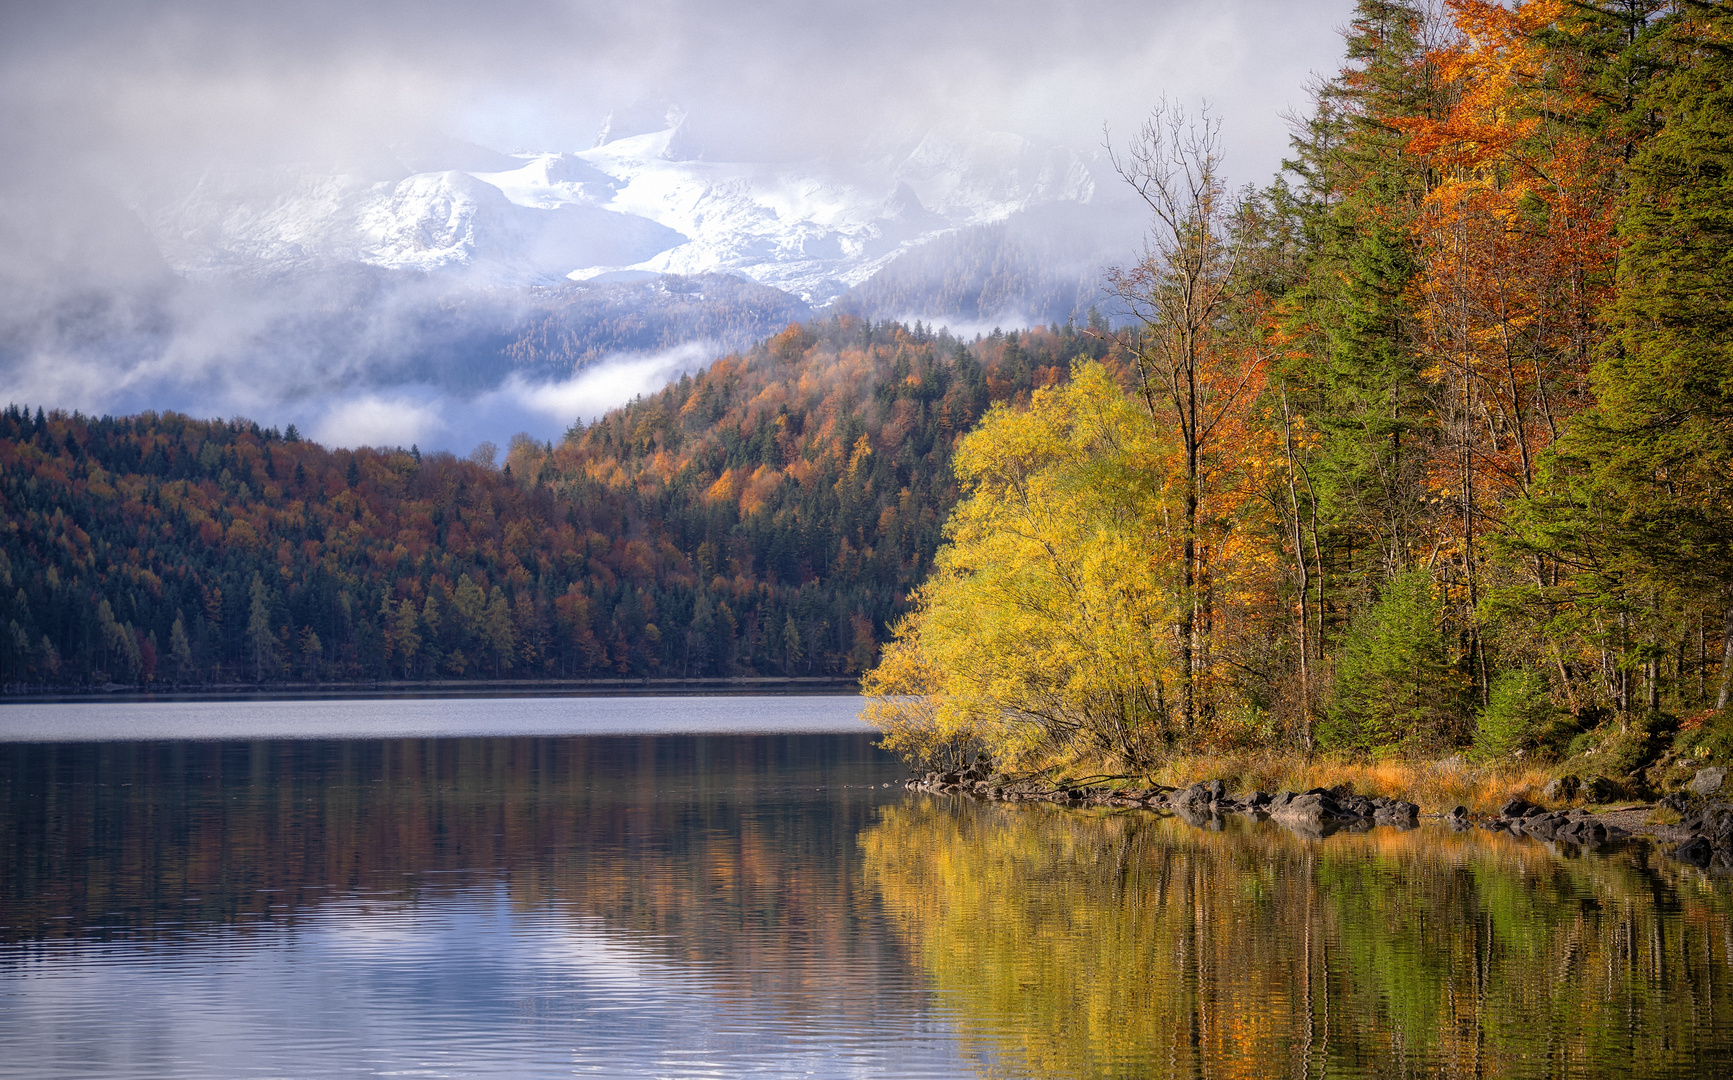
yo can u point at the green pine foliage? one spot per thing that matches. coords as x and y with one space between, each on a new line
1395 686
1360 374
1638 499
1661 433
1518 711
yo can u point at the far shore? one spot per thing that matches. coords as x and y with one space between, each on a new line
436 688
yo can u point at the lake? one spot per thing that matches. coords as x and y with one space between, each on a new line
737 886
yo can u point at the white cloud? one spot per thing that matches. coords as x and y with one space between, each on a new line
597 389
433 418
381 420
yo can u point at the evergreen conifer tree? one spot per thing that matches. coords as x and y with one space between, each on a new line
1643 496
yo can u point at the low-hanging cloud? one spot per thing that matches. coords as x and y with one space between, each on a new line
382 420
605 386
542 408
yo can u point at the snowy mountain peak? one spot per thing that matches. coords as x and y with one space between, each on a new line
647 199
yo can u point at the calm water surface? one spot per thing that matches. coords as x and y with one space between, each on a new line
733 890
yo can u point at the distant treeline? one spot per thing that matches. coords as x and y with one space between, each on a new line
768 516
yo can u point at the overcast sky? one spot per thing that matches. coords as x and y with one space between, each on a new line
310 79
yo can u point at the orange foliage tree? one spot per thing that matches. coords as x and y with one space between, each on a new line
1515 242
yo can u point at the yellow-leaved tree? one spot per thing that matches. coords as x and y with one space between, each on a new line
1109 570
1047 630
1045 622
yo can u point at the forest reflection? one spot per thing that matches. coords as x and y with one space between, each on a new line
734 851
1070 944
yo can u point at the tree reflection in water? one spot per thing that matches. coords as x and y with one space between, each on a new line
1125 944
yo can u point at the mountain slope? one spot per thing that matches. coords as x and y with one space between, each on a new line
766 516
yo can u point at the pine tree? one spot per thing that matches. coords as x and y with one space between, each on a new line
1352 366
500 639
1394 683
180 650
792 652
260 637
408 639
1646 492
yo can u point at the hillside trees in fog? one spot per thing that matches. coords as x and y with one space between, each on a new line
766 517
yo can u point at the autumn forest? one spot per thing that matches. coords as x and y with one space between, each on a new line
767 517
1425 447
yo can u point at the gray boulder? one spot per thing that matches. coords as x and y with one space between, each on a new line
1679 801
1517 808
1563 789
1308 813
1545 826
1713 821
1601 790
1708 781
1352 805
1199 797
1396 812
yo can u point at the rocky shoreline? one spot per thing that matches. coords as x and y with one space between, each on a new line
1703 834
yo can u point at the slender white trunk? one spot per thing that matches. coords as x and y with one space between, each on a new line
1726 659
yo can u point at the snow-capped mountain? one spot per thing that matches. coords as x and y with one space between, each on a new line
637 204
437 275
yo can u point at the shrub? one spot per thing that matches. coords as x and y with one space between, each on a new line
1518 711
1394 684
1638 745
1710 739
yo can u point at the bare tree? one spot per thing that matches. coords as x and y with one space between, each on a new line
1181 293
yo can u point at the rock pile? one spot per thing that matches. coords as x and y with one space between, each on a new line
1710 824
977 779
1319 808
1571 826
1320 811
1312 812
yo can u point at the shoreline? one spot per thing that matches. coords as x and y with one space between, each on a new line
1702 837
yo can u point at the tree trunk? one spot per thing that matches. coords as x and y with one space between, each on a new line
1188 609
1305 578
1726 659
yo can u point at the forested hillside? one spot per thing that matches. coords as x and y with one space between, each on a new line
1428 445
765 517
